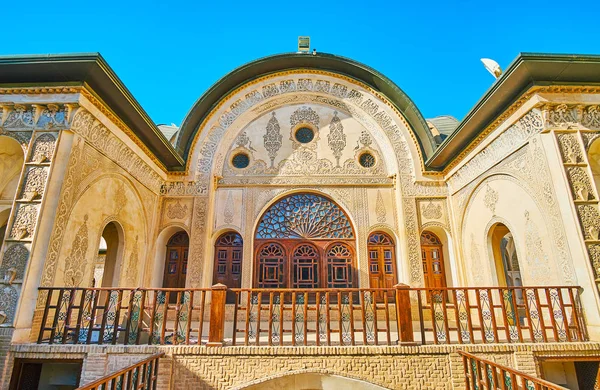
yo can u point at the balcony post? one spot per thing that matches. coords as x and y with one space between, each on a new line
404 314
216 330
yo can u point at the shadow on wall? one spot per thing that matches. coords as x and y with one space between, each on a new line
311 380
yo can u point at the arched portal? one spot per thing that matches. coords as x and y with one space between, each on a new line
227 270
433 260
176 261
506 260
111 244
304 240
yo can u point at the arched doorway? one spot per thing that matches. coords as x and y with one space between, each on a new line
382 261
432 256
227 269
111 245
176 262
506 260
304 241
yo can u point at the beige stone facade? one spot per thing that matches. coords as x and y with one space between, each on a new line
74 162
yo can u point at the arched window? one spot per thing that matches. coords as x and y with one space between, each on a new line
382 261
305 227
433 260
176 262
305 267
271 259
228 262
339 266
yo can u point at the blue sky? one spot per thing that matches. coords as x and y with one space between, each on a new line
169 53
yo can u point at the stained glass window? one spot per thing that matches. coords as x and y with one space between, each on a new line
240 160
304 216
304 135
367 160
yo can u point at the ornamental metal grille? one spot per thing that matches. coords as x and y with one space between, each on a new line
304 216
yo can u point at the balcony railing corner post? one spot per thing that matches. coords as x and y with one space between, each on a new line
404 314
217 315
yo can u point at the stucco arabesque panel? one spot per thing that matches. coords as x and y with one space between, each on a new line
528 168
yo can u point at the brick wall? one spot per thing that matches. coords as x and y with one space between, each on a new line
400 367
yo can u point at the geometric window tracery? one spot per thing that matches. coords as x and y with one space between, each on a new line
304 216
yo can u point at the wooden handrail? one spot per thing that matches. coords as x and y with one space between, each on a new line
481 374
145 379
337 316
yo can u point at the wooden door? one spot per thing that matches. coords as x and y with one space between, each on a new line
176 262
433 261
228 262
382 261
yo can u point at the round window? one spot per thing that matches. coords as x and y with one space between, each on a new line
304 135
367 160
240 161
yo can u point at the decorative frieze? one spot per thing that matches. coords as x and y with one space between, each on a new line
100 137
506 143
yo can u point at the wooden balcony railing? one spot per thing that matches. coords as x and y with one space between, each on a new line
466 315
141 375
482 374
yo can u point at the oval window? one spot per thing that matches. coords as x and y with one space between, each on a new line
240 160
304 135
367 160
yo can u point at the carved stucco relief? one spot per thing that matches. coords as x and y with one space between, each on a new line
529 166
76 262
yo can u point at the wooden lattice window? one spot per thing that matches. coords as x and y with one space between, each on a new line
271 260
339 266
304 216
428 238
305 267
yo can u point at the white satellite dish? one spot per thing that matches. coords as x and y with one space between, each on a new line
492 67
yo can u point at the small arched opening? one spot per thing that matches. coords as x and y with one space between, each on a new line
506 260
11 163
594 159
107 268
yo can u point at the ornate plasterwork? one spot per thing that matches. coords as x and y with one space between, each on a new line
530 124
67 196
352 102
43 148
528 168
97 135
228 212
431 211
180 188
14 262
76 263
342 181
176 210
273 138
491 198
9 297
413 237
536 257
25 221
197 248
380 211
336 137
131 273
35 183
